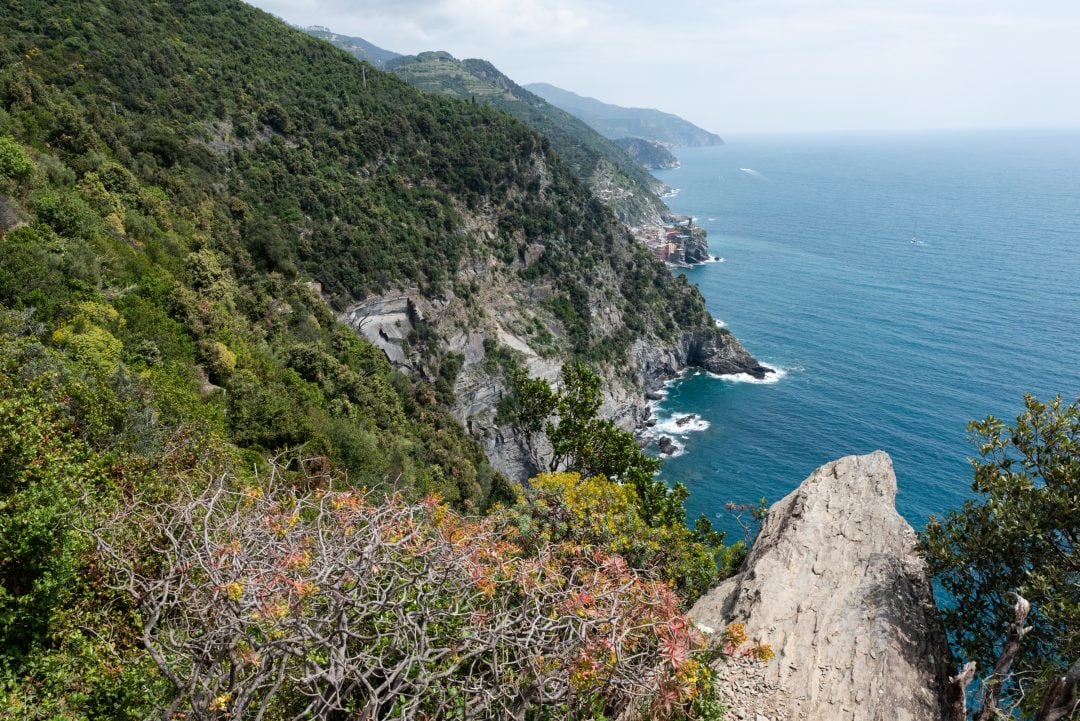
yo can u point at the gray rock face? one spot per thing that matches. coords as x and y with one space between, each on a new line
835 585
709 349
509 307
386 322
9 219
696 249
721 353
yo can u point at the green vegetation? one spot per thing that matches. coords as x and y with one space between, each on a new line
648 153
197 163
606 514
172 178
597 468
15 166
582 441
1021 538
595 160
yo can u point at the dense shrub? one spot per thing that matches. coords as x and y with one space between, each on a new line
598 512
1018 537
14 163
313 603
164 330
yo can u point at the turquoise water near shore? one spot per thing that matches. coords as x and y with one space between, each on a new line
882 342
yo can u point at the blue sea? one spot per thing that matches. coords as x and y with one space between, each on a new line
880 342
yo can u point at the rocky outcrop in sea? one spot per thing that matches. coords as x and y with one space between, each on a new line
717 351
835 584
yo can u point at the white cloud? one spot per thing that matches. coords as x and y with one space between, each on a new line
465 22
758 64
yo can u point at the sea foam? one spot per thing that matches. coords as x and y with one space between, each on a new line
777 375
680 424
675 425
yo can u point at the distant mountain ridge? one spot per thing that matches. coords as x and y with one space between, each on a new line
358 47
615 121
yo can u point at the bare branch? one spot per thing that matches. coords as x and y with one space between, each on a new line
271 601
958 686
993 683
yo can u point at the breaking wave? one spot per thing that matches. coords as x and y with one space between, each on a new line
777 375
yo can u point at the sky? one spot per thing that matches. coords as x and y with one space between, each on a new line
746 66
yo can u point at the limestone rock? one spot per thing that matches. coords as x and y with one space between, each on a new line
835 585
710 349
505 310
386 322
697 249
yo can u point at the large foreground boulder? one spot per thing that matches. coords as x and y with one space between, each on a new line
834 583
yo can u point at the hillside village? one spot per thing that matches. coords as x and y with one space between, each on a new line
678 243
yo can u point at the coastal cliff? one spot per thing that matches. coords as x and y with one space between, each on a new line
389 321
649 153
834 583
555 298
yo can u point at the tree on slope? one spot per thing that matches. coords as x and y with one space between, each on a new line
1019 538
584 442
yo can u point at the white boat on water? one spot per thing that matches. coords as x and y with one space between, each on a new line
915 236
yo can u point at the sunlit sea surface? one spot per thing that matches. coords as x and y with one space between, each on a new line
881 342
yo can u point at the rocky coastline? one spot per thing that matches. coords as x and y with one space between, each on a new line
714 350
505 313
388 321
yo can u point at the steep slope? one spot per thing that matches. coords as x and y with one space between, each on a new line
613 176
292 166
614 121
648 153
357 47
192 197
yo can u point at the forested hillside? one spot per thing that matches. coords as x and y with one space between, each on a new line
287 163
614 176
648 153
190 193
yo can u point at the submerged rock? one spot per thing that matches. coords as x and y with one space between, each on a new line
835 585
666 446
